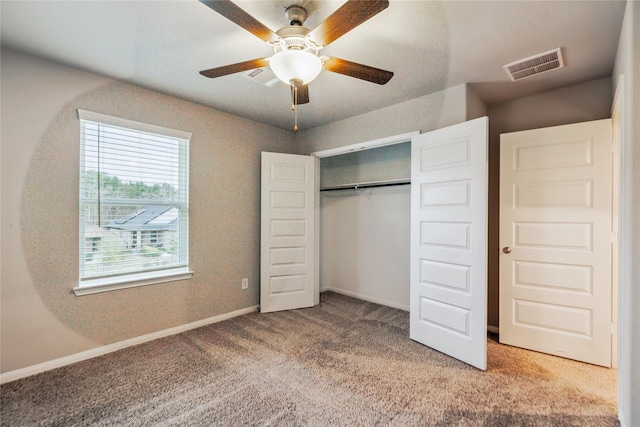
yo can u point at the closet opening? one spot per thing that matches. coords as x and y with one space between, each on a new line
365 212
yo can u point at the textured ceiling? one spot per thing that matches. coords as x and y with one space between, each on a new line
429 45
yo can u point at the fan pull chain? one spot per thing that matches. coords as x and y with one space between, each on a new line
293 107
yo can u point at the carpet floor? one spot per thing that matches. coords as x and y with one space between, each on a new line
344 362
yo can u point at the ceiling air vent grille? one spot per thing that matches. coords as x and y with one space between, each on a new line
534 65
264 76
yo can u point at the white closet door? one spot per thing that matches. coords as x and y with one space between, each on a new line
449 241
288 266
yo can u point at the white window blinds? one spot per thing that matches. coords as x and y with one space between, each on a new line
134 201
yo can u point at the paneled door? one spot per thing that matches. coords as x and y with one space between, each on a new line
448 291
556 240
288 263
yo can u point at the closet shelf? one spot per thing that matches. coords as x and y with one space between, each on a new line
370 184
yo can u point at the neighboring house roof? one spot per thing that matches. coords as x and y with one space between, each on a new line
92 231
148 218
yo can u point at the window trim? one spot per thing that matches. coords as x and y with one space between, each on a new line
126 123
144 278
106 284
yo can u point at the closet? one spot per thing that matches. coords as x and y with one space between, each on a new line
365 202
399 221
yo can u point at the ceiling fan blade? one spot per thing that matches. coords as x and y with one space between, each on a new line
346 18
303 95
237 15
359 71
234 68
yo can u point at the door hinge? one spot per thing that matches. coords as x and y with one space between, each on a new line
614 237
614 328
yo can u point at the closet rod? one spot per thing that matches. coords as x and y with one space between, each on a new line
356 186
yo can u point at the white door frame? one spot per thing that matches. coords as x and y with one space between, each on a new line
616 220
375 143
622 310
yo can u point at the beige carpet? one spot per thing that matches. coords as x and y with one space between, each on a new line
344 363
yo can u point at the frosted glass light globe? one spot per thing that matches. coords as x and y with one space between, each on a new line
295 65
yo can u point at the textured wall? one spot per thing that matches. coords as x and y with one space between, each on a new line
434 111
41 318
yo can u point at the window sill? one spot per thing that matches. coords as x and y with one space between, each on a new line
95 286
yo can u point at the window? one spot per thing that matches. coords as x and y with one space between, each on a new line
134 204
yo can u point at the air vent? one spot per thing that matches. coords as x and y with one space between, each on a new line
264 76
535 65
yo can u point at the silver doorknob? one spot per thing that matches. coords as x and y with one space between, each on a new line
506 250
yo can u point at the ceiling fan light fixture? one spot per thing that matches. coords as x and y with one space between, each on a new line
295 65
296 60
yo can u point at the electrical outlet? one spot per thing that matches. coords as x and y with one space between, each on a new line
245 283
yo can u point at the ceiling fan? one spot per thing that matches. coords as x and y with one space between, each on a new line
295 59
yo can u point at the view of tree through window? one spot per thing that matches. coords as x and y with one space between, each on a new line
133 201
117 224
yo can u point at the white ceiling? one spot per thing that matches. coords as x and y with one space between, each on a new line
429 45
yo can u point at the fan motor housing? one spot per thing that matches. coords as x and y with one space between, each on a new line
295 38
293 32
296 15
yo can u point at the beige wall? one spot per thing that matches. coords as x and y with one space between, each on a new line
426 113
475 105
41 318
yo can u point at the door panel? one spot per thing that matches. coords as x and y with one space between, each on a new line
449 241
555 216
288 218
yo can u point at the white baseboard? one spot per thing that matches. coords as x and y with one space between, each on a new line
493 329
623 423
100 351
367 298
